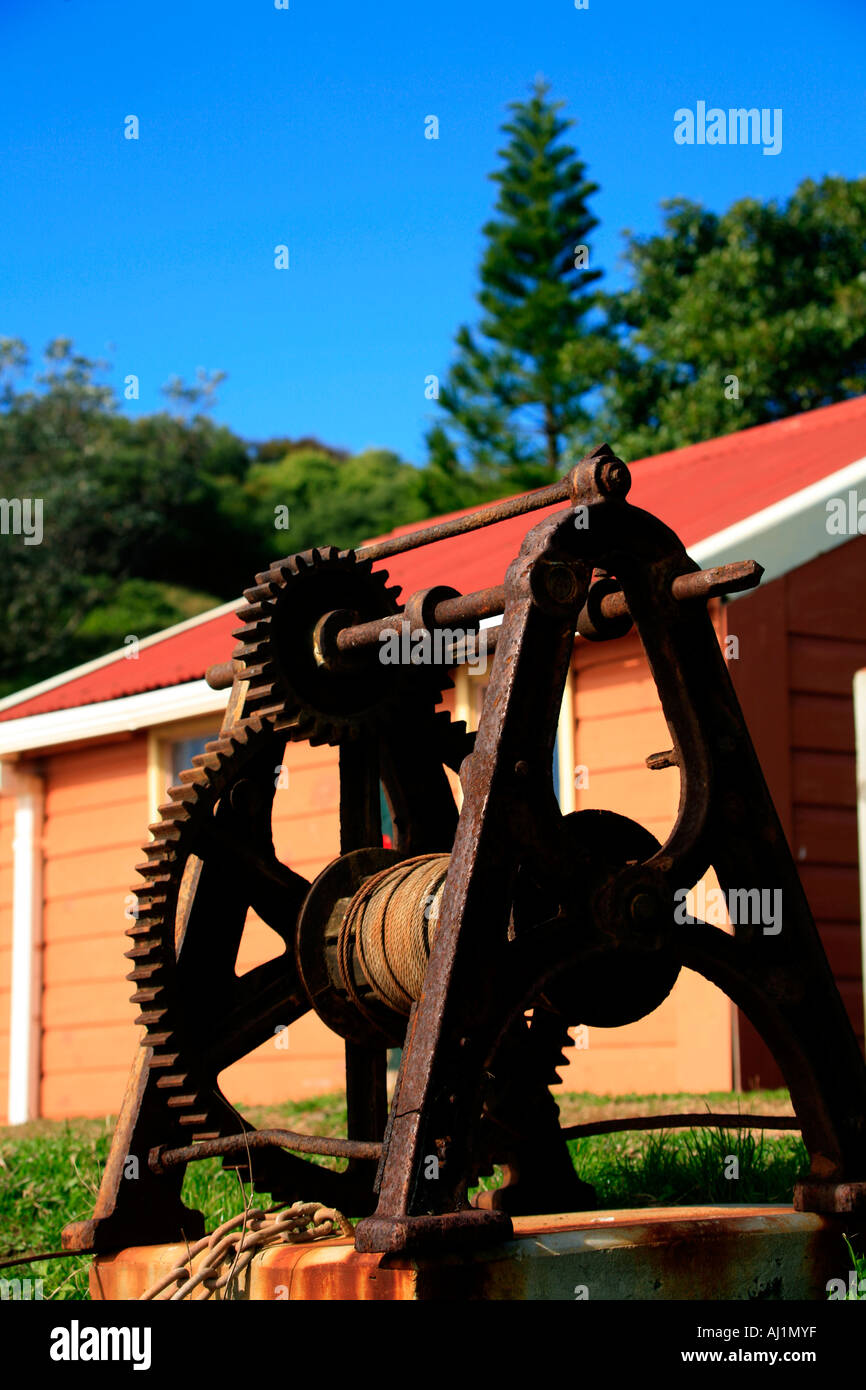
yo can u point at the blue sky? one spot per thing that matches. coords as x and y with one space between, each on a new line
305 127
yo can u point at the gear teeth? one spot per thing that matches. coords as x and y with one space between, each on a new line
259 593
182 794
209 761
192 776
162 1039
273 711
297 726
145 996
147 970
142 946
164 830
151 948
139 952
162 1061
249 640
260 671
268 580
154 869
148 1017
325 733
146 924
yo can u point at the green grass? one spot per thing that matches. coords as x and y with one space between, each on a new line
50 1171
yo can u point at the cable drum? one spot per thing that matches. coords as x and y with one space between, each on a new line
389 926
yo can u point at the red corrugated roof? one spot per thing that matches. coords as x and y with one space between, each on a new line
697 491
183 656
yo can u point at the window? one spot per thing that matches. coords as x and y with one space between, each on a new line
170 749
182 752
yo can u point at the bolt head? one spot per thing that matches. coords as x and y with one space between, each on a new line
644 907
560 582
614 478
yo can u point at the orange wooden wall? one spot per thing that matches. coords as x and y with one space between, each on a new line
95 812
306 837
95 823
802 638
685 1044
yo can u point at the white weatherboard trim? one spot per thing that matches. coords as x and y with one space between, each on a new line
97 664
125 715
25 998
787 534
860 745
565 746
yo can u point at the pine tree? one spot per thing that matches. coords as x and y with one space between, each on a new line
509 395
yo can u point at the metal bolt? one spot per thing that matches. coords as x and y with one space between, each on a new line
613 478
560 582
644 907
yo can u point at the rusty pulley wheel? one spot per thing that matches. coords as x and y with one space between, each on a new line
629 969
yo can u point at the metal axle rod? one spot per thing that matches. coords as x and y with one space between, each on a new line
162 1159
468 609
488 603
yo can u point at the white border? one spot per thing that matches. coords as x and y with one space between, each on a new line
788 533
125 715
25 996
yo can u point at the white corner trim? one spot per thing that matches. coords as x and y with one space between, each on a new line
97 664
25 1007
860 745
788 533
566 745
132 712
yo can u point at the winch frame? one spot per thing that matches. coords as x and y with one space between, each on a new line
569 916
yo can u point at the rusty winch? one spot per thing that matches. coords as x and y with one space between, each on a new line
482 937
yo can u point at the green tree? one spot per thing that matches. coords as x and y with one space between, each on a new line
132 530
147 521
737 319
315 497
509 397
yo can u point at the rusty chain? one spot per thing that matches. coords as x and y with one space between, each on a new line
239 1241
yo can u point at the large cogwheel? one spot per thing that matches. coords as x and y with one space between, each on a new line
287 684
211 859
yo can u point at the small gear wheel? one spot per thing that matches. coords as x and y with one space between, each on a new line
288 684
